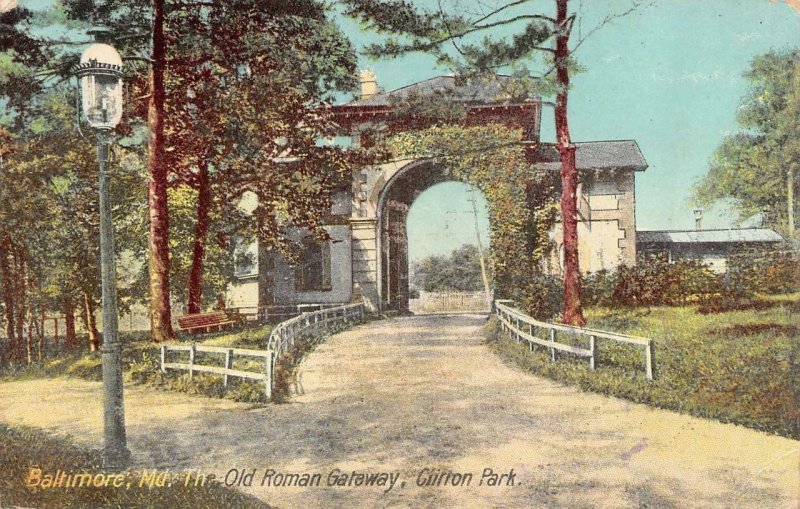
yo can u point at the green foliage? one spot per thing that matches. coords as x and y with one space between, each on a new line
460 271
654 281
221 251
23 448
767 271
753 167
245 82
737 366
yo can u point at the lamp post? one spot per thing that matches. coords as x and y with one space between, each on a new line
100 73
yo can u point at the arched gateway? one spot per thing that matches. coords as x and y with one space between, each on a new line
367 254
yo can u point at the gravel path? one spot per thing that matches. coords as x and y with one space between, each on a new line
403 395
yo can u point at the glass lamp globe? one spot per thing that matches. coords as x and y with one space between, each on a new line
100 72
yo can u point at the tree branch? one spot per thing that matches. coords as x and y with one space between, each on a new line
610 19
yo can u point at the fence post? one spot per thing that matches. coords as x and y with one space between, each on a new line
648 361
228 365
268 375
593 350
530 331
552 348
163 358
192 352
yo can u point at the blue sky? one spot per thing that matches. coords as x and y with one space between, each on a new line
669 76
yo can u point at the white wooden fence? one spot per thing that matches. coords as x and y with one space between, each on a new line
287 333
513 321
226 370
447 302
281 341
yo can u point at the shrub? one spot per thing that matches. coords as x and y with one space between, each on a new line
654 281
543 296
765 271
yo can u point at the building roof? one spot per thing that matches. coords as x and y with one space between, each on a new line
735 235
594 155
472 92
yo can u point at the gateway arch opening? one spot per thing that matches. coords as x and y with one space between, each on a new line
423 213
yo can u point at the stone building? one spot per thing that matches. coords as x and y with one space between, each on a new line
367 254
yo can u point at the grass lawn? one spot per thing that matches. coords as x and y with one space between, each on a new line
141 365
22 449
735 366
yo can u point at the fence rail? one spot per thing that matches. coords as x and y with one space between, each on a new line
443 302
286 333
283 338
226 370
512 321
278 313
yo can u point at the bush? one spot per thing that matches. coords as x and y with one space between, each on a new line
768 271
543 297
653 282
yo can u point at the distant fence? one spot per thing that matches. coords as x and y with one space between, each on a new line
226 370
282 340
276 314
513 321
446 302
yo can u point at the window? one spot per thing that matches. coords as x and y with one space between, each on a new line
313 270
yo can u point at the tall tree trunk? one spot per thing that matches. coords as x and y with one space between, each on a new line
8 294
573 312
20 299
91 323
790 199
70 340
158 248
29 341
40 333
200 233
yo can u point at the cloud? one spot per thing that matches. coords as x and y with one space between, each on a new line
794 4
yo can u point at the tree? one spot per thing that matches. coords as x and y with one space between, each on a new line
227 82
158 245
246 85
460 271
435 31
757 168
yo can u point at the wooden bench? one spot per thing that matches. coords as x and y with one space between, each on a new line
206 322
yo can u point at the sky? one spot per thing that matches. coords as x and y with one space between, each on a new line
668 75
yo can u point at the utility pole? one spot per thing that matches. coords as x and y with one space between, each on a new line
485 276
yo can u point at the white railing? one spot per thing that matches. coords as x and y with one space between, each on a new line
287 333
281 341
512 321
226 370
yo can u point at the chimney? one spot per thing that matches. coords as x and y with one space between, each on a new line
369 85
698 219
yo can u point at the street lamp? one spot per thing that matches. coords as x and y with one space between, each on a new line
100 73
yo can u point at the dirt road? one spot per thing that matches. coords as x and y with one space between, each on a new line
420 396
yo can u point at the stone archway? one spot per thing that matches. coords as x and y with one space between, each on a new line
396 198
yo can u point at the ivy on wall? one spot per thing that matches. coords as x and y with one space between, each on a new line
522 203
